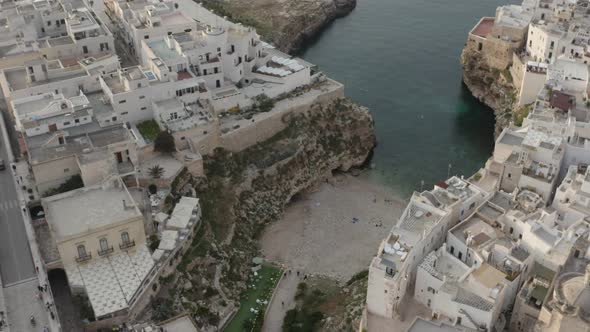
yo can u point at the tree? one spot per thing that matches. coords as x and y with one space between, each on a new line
156 171
165 142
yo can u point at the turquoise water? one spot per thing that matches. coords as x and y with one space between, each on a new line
401 59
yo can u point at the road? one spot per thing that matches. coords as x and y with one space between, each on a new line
16 263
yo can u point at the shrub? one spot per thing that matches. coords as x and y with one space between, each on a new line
152 189
72 183
165 143
156 172
149 129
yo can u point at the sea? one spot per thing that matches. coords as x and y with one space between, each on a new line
400 58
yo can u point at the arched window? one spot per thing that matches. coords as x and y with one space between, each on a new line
125 237
81 251
104 244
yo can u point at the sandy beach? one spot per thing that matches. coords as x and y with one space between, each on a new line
334 229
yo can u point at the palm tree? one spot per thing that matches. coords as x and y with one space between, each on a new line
156 171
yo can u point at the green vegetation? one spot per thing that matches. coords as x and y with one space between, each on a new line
162 309
72 183
306 317
156 171
262 103
221 8
260 288
149 129
165 142
364 274
477 176
154 242
507 75
520 114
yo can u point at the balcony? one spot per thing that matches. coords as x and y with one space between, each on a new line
105 251
84 258
126 245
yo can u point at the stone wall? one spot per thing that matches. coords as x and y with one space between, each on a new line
498 53
268 124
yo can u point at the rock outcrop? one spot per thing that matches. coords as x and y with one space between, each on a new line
288 24
245 191
490 86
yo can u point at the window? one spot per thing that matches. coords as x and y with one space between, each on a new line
67 123
122 101
81 251
511 230
520 236
146 37
472 206
460 255
125 237
66 170
85 49
550 55
204 71
215 70
219 49
452 250
77 120
218 83
124 113
141 97
104 244
509 175
62 21
43 30
143 108
48 23
114 118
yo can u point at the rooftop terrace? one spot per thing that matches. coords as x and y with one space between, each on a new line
89 209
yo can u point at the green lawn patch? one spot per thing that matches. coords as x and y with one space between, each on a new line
149 129
260 288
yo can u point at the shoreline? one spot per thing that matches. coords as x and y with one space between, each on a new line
331 229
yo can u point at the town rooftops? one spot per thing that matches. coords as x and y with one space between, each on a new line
183 212
89 209
483 27
81 139
440 264
422 325
562 100
112 282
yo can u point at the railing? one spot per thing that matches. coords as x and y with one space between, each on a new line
127 244
84 258
105 251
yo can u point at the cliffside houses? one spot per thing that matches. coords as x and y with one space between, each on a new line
508 248
82 119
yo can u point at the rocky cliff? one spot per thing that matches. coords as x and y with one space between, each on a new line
288 24
491 86
245 191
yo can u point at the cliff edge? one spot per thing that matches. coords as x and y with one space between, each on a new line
491 86
287 24
244 191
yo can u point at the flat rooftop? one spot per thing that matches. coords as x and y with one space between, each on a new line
78 139
90 208
112 281
483 27
161 50
17 78
480 230
440 264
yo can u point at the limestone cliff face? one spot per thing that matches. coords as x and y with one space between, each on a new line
287 24
245 191
488 85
